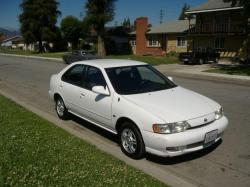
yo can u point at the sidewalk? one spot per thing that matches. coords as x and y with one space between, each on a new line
196 72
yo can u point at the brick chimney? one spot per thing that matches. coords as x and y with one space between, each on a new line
141 29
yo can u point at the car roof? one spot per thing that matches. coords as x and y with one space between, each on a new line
109 63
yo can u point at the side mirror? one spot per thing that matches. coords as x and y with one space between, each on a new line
100 90
171 78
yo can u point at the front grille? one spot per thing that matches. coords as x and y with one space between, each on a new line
202 125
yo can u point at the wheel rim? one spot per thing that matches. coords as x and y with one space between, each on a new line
60 108
129 142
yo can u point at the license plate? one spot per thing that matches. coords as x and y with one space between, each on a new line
210 137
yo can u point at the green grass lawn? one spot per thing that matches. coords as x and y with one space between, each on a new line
237 70
148 59
32 53
34 152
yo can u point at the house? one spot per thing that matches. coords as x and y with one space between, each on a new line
219 26
16 42
13 42
160 39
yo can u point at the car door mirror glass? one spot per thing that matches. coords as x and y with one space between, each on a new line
100 90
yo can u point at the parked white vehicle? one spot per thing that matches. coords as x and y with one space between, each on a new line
148 111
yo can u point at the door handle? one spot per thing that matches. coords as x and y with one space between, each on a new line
82 94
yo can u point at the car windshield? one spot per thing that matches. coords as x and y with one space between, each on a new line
137 79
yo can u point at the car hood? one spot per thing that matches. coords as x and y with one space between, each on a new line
173 105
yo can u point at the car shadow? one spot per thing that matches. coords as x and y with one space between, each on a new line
95 128
182 158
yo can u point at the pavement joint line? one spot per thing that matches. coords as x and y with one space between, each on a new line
164 176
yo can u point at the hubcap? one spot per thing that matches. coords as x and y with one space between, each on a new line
60 108
129 142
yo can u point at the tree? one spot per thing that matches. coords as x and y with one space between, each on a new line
245 13
183 16
98 13
126 23
38 20
71 29
245 20
59 43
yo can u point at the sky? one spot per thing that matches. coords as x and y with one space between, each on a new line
9 10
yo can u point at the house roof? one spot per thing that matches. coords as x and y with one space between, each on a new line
14 38
178 26
214 5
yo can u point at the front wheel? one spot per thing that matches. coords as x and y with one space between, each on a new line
61 109
131 141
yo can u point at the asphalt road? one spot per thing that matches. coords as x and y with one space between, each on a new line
226 164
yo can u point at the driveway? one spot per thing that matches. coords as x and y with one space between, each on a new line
227 164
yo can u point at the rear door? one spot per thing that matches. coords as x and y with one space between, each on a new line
72 85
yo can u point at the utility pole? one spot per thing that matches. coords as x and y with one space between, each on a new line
161 16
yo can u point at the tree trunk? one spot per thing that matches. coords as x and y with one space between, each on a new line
74 46
101 46
40 46
248 47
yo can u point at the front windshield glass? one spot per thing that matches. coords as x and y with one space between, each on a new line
137 79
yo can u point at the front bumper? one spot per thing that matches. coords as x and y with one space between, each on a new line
51 95
189 141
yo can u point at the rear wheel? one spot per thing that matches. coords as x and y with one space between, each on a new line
201 61
61 109
131 141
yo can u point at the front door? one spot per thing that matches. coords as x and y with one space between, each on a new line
97 107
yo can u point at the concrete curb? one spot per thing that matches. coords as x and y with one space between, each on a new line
33 57
166 177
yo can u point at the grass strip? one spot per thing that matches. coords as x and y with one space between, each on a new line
34 152
231 70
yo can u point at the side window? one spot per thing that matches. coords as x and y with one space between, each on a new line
94 77
75 75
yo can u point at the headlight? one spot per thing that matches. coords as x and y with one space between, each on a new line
219 113
170 128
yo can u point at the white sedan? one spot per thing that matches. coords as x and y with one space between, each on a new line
148 111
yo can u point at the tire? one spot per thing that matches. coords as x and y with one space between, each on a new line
131 141
61 109
201 61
